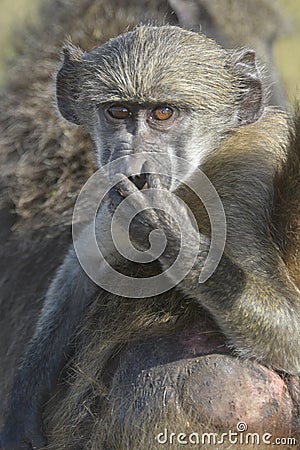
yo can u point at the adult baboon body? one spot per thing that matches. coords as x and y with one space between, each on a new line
138 366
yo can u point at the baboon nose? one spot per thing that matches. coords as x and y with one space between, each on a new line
138 180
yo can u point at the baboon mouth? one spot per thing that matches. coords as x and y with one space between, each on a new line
139 180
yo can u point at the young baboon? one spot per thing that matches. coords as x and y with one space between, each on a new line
34 137
165 89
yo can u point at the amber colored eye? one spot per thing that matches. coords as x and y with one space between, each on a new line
162 113
119 112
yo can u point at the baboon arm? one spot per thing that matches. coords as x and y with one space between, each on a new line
64 307
65 304
259 313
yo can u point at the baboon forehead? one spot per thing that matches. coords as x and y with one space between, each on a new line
153 64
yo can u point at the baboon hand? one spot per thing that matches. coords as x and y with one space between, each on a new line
22 433
149 208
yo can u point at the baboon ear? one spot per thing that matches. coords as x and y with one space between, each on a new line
67 83
250 98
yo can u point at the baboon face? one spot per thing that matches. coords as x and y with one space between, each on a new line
123 129
159 90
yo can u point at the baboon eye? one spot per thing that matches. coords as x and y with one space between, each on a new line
162 113
119 112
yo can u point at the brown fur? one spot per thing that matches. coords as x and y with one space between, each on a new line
251 23
113 325
45 161
95 413
287 204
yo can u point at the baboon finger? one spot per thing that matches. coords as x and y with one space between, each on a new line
123 186
152 178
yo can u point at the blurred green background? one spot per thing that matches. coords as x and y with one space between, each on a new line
13 13
287 50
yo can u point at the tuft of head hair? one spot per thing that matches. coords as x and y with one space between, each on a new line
164 64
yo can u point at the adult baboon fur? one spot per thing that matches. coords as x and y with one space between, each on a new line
120 393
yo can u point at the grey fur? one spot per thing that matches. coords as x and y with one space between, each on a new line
225 129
